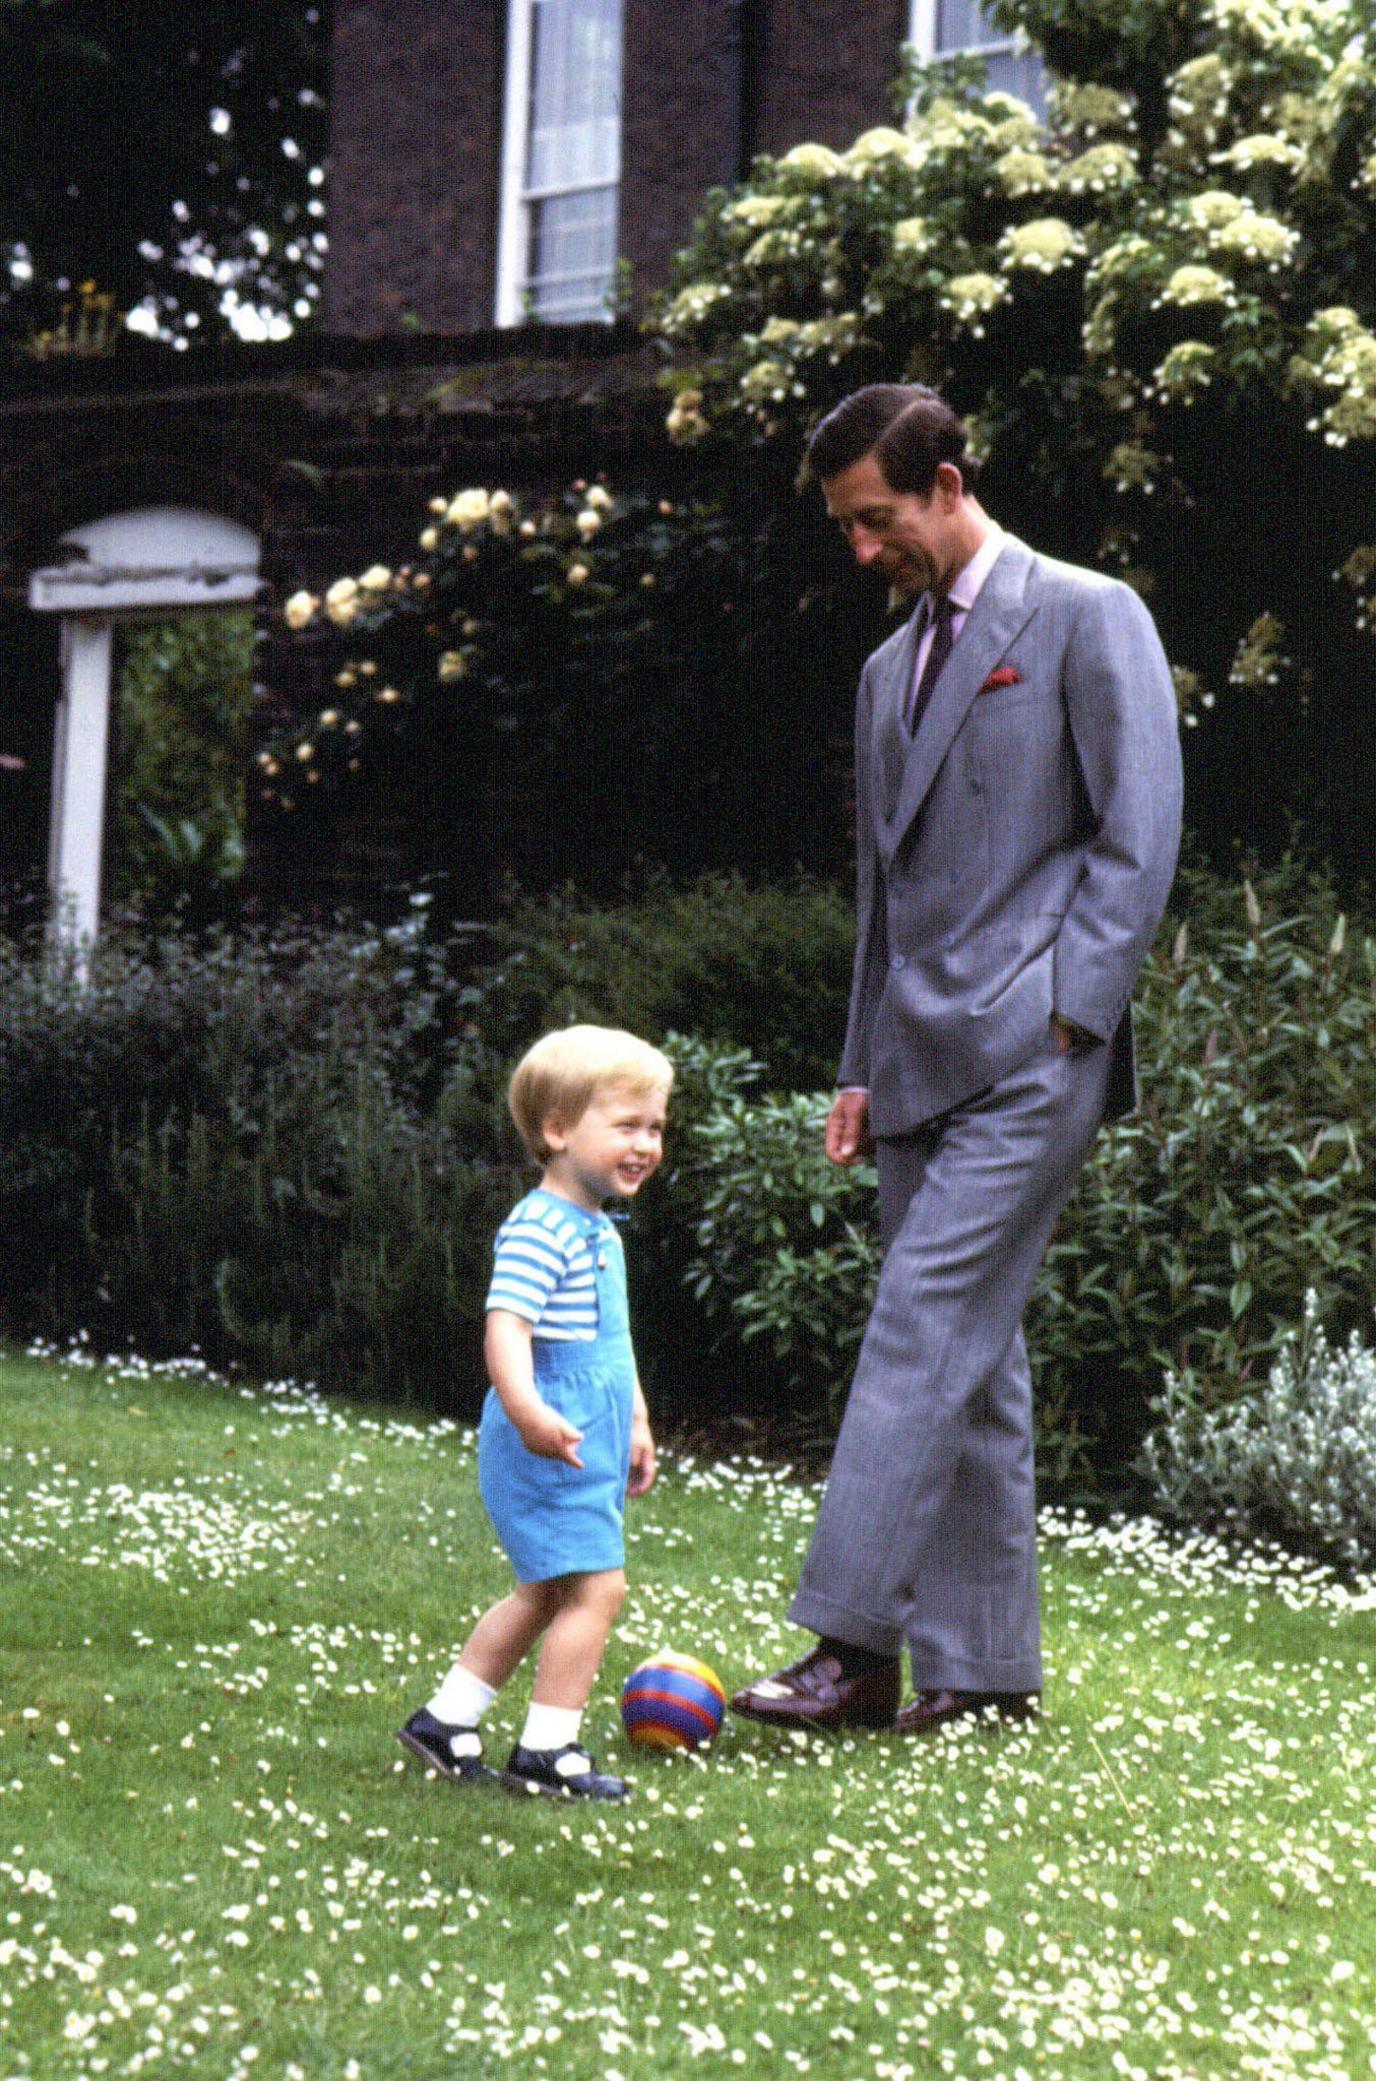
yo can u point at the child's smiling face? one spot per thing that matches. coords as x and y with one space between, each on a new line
610 1150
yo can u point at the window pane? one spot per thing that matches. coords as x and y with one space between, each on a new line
575 93
1020 73
962 25
573 156
572 254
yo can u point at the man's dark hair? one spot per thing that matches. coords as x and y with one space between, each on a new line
905 426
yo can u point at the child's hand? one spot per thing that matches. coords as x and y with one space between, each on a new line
548 1434
642 1458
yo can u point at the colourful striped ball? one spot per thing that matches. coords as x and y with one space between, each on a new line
672 1702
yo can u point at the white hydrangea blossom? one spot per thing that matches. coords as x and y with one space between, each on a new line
911 235
759 209
1121 257
1339 354
1024 172
1278 28
969 299
691 305
468 509
770 381
771 247
1253 236
1186 372
809 158
1194 284
1105 169
1262 149
1214 208
874 146
1091 108
1043 246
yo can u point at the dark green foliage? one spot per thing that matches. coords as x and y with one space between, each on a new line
110 170
1196 1229
767 968
673 681
293 1151
1247 1178
184 698
268 1147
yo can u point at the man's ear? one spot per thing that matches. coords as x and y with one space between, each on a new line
949 482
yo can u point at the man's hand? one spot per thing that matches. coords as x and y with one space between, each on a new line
546 1433
1069 1038
642 1457
848 1127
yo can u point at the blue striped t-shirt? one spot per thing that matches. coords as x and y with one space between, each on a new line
544 1266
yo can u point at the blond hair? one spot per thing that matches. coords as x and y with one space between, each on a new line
562 1071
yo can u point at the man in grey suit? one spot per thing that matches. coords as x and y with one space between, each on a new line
1017 823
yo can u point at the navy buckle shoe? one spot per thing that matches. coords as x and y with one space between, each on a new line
567 1773
455 1752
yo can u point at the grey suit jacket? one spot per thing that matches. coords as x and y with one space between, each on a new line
1016 854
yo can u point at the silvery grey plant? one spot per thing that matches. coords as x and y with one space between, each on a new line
1294 1462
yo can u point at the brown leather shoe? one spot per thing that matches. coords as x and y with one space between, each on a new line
932 1709
814 1695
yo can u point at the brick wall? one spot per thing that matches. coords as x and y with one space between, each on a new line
416 116
827 68
417 102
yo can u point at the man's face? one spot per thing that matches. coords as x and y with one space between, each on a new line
908 536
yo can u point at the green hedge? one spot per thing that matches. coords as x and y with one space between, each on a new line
291 1151
1197 1227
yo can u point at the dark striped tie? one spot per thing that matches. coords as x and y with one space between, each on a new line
939 651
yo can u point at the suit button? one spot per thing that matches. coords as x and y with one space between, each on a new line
898 961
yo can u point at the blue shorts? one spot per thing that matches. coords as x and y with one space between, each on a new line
554 1519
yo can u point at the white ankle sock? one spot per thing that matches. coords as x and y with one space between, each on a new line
550 1727
462 1698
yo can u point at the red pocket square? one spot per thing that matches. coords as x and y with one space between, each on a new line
1007 675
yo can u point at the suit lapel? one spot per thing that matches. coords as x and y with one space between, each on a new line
1005 605
892 744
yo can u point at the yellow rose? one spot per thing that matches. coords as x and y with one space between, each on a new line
468 508
375 579
299 610
578 574
342 601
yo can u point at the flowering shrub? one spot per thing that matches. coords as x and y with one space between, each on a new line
1158 309
564 685
1294 1462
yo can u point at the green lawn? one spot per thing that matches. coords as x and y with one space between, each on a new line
217 1604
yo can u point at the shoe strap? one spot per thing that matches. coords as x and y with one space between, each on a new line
572 1762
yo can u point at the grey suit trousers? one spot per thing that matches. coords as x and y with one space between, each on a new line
927 1529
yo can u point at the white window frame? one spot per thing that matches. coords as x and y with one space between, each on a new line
513 222
922 36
